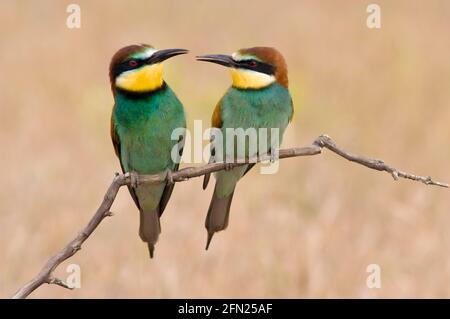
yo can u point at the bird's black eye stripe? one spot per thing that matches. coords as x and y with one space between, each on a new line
257 66
125 66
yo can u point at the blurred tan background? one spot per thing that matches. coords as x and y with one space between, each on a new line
308 231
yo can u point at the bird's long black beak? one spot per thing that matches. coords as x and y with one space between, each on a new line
222 59
162 55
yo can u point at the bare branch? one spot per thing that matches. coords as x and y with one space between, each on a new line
323 141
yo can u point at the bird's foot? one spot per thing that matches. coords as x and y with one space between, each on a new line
228 166
134 179
169 176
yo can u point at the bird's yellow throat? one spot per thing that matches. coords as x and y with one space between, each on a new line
247 79
146 78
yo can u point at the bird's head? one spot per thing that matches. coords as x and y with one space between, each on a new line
138 68
253 68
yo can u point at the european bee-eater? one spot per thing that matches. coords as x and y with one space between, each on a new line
145 113
258 98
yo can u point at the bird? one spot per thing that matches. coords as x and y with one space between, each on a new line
258 98
144 115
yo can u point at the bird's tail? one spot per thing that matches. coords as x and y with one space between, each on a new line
149 228
218 214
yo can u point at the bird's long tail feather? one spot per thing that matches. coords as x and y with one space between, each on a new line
149 228
218 215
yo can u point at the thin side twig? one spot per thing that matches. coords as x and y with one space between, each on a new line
376 164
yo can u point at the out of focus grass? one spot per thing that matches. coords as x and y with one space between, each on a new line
309 231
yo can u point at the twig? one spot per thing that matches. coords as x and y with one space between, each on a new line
323 141
379 165
59 282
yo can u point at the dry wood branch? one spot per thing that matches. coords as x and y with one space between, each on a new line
323 141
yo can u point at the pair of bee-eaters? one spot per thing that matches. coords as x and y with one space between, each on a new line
146 112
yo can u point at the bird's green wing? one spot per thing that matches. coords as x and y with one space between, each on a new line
292 111
207 176
116 143
216 121
169 186
115 138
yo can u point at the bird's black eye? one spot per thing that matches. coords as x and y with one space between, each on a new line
252 63
132 63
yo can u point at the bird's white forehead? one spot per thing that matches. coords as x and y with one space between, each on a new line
145 54
243 57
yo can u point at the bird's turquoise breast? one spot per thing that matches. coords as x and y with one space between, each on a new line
144 126
267 108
